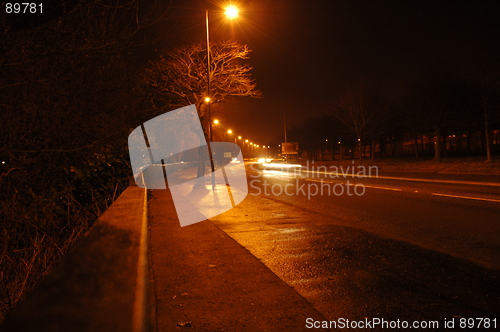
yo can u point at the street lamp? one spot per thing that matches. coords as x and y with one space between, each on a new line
231 12
208 98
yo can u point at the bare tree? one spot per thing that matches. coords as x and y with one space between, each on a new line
486 77
441 101
361 111
180 78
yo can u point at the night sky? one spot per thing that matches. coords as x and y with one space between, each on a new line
305 52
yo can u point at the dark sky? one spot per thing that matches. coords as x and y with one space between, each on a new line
305 52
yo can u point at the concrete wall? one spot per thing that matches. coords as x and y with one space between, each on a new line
100 285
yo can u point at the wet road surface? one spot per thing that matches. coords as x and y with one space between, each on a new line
401 250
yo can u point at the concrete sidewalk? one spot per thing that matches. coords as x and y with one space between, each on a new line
201 278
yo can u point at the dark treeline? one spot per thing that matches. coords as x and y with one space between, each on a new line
70 92
447 111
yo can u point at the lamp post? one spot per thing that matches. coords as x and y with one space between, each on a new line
230 12
208 98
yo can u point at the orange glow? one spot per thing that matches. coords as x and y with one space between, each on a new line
232 11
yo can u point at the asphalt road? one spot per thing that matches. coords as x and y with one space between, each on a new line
389 246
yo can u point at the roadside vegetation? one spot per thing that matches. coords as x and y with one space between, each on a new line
69 94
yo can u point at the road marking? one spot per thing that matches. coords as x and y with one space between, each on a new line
385 188
474 183
344 175
469 197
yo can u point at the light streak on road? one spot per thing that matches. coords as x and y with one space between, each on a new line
468 197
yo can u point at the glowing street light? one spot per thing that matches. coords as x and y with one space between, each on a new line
232 12
231 132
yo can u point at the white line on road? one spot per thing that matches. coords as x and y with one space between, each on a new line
344 175
469 197
385 188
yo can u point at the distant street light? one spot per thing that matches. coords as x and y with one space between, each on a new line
229 131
